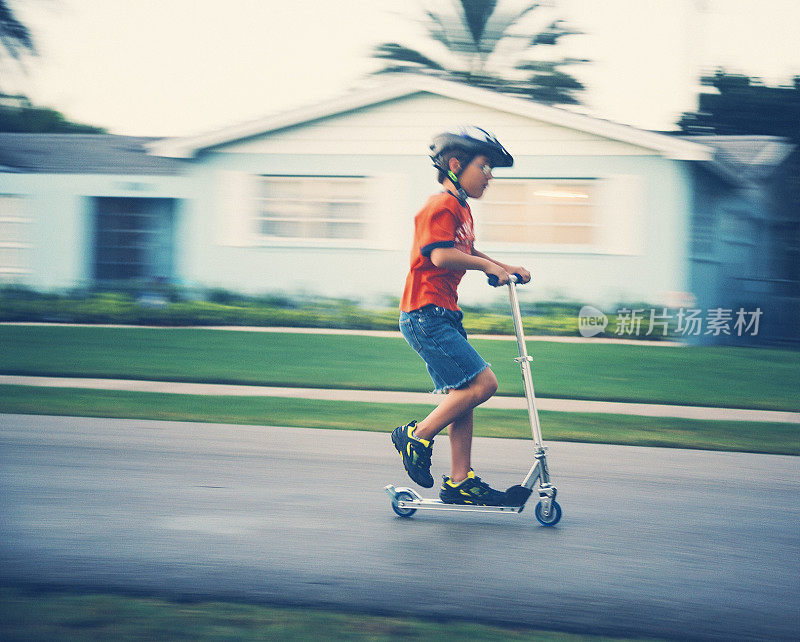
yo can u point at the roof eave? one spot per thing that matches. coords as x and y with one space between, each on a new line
669 147
188 147
675 149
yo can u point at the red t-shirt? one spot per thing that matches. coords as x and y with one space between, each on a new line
442 222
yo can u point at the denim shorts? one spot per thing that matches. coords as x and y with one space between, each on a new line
436 334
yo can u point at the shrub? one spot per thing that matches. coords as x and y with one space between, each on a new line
138 306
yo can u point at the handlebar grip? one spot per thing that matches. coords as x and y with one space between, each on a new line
493 280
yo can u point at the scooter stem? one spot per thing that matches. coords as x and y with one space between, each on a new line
525 365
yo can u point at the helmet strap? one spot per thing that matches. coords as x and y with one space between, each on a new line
454 180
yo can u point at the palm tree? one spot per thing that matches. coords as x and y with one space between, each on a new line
496 44
14 36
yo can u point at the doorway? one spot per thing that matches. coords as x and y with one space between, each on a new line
134 239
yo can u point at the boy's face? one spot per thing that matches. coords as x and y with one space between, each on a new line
476 176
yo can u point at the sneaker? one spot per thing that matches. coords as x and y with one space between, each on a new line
470 491
416 454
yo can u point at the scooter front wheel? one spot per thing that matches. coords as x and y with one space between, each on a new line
552 518
404 497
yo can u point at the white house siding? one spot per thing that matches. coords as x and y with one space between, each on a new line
644 228
644 212
237 260
61 212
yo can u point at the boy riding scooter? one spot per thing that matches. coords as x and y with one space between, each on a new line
430 319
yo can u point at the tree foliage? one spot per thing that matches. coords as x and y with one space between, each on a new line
742 105
494 44
17 114
15 37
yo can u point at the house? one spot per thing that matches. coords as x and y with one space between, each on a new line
321 199
77 209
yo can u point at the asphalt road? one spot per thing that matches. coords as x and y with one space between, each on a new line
654 542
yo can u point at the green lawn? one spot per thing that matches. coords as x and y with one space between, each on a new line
58 615
556 426
719 376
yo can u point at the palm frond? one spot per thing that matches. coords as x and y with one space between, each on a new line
488 43
549 66
437 30
452 31
476 14
557 80
15 37
552 34
501 21
399 53
409 69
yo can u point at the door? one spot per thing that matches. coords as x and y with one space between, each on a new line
133 239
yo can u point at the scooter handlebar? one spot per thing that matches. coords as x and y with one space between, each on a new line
494 281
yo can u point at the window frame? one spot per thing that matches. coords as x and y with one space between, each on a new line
265 240
26 266
595 202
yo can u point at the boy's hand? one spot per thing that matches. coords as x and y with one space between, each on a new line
502 275
526 276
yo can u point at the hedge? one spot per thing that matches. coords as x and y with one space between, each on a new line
546 318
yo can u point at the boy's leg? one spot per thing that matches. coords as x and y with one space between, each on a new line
461 447
458 402
414 440
463 486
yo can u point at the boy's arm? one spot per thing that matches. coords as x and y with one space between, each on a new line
511 269
450 258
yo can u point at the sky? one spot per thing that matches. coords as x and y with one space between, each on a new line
183 67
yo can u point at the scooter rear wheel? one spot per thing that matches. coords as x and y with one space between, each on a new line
405 497
548 520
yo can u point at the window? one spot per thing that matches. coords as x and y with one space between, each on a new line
15 237
133 238
542 212
316 208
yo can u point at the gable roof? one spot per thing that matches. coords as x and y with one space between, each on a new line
748 158
82 154
668 146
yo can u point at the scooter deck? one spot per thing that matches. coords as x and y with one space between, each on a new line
436 504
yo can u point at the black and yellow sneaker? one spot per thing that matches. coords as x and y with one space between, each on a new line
470 491
416 454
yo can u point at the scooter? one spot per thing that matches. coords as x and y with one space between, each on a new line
406 501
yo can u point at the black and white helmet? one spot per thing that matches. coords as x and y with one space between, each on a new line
470 139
